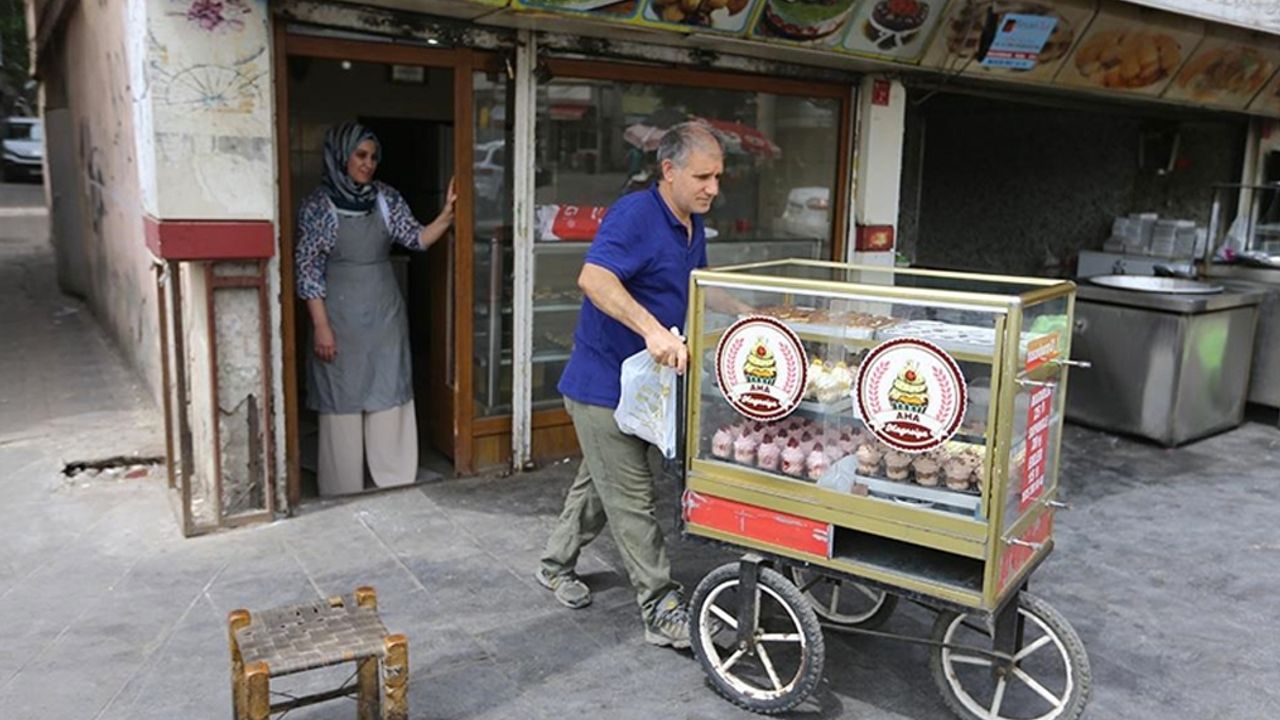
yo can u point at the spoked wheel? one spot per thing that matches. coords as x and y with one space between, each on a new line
841 602
780 664
1048 678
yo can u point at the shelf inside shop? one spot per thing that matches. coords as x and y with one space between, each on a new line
556 247
539 357
544 308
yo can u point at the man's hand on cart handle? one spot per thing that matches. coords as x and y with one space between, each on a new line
668 349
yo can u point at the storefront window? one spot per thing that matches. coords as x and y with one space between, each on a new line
596 141
491 316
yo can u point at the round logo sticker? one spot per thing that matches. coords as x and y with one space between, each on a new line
761 367
910 394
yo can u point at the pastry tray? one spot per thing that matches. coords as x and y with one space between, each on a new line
843 475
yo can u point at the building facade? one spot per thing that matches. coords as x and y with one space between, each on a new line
182 134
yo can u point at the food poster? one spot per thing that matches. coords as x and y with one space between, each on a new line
727 16
1268 101
614 10
1227 70
1132 50
821 23
897 29
955 47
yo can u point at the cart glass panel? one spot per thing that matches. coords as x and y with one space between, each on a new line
832 439
899 277
1037 409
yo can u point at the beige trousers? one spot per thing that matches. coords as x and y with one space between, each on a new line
387 440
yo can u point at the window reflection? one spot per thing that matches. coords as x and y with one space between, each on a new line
597 140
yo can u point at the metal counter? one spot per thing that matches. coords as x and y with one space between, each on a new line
1171 368
1264 387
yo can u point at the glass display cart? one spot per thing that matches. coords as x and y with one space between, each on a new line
870 434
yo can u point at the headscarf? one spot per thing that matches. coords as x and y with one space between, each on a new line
339 143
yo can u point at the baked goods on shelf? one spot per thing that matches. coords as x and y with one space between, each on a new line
800 447
826 382
829 319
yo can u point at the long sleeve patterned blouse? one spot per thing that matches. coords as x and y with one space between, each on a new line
318 232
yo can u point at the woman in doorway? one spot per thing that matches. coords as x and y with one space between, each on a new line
359 373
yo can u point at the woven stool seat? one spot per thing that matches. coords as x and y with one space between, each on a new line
312 635
295 638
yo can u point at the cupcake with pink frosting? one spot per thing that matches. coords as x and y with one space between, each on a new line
744 449
807 441
722 443
816 463
847 442
767 454
793 458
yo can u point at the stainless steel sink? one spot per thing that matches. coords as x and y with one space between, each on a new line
1151 284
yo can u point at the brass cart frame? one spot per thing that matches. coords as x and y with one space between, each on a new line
976 564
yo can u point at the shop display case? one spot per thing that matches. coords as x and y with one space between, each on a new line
900 426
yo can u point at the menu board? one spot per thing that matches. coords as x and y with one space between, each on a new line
1228 69
1128 49
1268 101
958 44
728 16
896 29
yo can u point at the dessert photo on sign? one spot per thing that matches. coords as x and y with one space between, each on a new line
1224 72
808 21
1132 51
893 28
724 15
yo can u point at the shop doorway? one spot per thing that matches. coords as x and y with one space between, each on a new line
409 97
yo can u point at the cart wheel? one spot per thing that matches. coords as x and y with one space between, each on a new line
841 602
781 665
1048 680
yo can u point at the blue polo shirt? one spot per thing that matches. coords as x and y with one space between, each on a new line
645 245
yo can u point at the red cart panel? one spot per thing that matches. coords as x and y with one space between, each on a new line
757 523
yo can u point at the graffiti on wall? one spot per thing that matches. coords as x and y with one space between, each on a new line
214 15
94 180
233 87
203 97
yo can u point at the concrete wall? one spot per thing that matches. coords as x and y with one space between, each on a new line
1021 188
203 106
95 219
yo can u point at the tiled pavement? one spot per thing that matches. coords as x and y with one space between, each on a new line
1169 567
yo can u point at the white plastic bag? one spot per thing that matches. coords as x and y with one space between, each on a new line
647 408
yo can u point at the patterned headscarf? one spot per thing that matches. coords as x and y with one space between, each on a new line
339 143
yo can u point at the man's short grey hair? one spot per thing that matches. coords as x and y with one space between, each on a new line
681 140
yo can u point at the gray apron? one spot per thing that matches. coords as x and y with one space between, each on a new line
372 369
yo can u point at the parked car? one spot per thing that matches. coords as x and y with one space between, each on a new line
490 170
23 139
808 212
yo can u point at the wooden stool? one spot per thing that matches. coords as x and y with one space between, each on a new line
292 639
